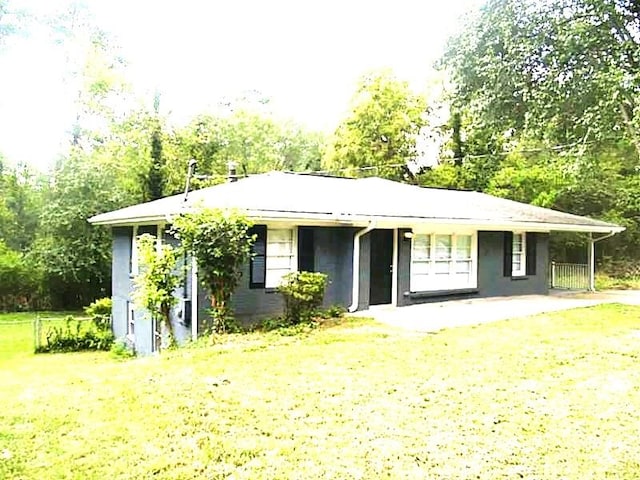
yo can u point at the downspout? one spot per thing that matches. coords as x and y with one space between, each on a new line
356 265
592 258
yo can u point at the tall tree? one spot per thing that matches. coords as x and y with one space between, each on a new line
566 71
75 256
155 178
381 131
547 94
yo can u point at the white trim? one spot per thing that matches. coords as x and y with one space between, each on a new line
293 257
324 219
194 299
394 269
446 282
131 321
523 255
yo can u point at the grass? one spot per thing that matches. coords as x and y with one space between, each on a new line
16 333
551 396
607 282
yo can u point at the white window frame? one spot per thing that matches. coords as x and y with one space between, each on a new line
522 271
434 281
272 280
131 320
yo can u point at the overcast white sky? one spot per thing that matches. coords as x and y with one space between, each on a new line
307 56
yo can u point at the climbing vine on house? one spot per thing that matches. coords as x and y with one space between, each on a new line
221 244
157 280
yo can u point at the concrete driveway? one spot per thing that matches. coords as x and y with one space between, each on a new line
431 317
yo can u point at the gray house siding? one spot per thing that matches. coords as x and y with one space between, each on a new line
122 290
364 284
120 279
491 279
333 256
333 252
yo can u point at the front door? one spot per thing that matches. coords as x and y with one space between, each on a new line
381 267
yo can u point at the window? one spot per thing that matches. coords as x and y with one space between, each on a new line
133 253
280 255
518 255
272 257
134 267
442 262
131 320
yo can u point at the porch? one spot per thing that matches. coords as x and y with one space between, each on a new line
432 317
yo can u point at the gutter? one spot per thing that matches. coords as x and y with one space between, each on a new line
356 265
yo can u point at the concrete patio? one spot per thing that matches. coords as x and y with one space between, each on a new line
431 317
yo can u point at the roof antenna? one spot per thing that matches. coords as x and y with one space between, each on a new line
191 169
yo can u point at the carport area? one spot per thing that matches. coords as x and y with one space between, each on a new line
432 317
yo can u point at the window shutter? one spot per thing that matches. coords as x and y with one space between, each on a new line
258 262
508 254
531 253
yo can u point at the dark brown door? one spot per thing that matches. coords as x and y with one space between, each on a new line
381 267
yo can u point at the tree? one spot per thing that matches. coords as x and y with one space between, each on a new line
386 119
155 181
221 244
157 281
75 256
546 94
567 71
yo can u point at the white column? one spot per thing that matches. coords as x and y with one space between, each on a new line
591 262
194 299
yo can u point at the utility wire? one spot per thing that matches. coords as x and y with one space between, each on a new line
365 168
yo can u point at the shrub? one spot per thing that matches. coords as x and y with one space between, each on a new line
100 313
75 336
221 243
122 350
303 293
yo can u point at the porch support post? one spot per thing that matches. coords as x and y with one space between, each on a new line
591 262
194 298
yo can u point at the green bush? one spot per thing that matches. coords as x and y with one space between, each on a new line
100 313
75 336
120 349
303 293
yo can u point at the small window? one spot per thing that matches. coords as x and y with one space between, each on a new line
280 255
131 320
518 255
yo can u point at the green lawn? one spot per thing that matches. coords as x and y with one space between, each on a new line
552 396
16 333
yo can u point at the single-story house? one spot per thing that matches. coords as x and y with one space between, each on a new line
379 242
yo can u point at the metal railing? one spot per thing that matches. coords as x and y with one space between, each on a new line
570 276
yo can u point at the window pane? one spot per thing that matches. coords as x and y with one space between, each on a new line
278 262
443 246
463 246
463 267
442 267
274 277
280 235
420 268
279 249
517 242
421 247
